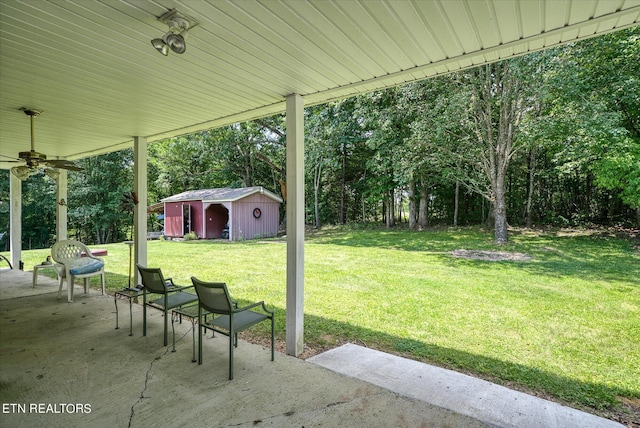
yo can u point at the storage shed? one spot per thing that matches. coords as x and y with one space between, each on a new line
245 213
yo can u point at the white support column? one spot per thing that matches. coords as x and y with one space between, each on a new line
15 220
61 207
295 224
140 210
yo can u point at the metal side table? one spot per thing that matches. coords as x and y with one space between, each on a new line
129 294
190 312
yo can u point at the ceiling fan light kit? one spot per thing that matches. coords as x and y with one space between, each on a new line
23 172
179 24
34 161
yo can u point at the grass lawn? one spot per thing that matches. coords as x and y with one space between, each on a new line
562 323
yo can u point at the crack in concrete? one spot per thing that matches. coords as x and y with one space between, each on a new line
146 378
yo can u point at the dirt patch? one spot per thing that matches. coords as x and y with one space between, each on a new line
491 256
281 346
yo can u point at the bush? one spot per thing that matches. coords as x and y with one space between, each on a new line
191 236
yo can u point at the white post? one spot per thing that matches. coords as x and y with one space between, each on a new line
15 220
295 224
140 209
61 205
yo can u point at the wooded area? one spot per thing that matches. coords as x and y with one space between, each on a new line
550 138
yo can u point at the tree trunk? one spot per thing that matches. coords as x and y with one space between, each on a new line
500 213
316 192
412 204
422 212
391 215
532 165
490 221
456 203
343 187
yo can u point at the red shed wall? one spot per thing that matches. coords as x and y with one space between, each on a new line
173 219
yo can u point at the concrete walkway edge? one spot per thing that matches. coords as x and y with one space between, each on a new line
487 402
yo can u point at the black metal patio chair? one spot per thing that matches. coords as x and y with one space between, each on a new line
173 296
214 298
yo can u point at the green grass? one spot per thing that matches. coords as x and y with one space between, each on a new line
564 325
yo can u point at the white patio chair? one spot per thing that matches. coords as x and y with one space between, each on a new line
74 260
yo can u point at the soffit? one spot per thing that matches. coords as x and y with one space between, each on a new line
90 67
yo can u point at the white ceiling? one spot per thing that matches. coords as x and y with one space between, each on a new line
90 67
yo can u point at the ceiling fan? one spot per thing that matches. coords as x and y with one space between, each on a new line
34 161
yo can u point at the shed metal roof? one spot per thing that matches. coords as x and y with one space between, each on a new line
224 194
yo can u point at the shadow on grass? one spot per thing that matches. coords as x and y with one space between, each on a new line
586 257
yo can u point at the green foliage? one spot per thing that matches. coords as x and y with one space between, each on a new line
231 156
38 211
398 154
191 236
592 118
97 207
620 170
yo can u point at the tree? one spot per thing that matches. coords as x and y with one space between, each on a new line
384 117
437 111
608 69
95 197
498 102
589 127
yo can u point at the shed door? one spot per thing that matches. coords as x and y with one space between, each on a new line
186 219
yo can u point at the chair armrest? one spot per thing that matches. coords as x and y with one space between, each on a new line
60 269
174 288
253 306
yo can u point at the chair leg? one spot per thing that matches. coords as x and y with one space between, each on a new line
102 281
144 314
173 330
193 340
272 338
166 327
115 301
231 355
200 342
70 282
60 280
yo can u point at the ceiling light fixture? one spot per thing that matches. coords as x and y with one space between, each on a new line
173 39
23 172
52 173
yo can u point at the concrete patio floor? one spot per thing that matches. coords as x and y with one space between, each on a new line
65 365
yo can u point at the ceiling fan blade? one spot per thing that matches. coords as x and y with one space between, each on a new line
52 173
64 164
13 159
